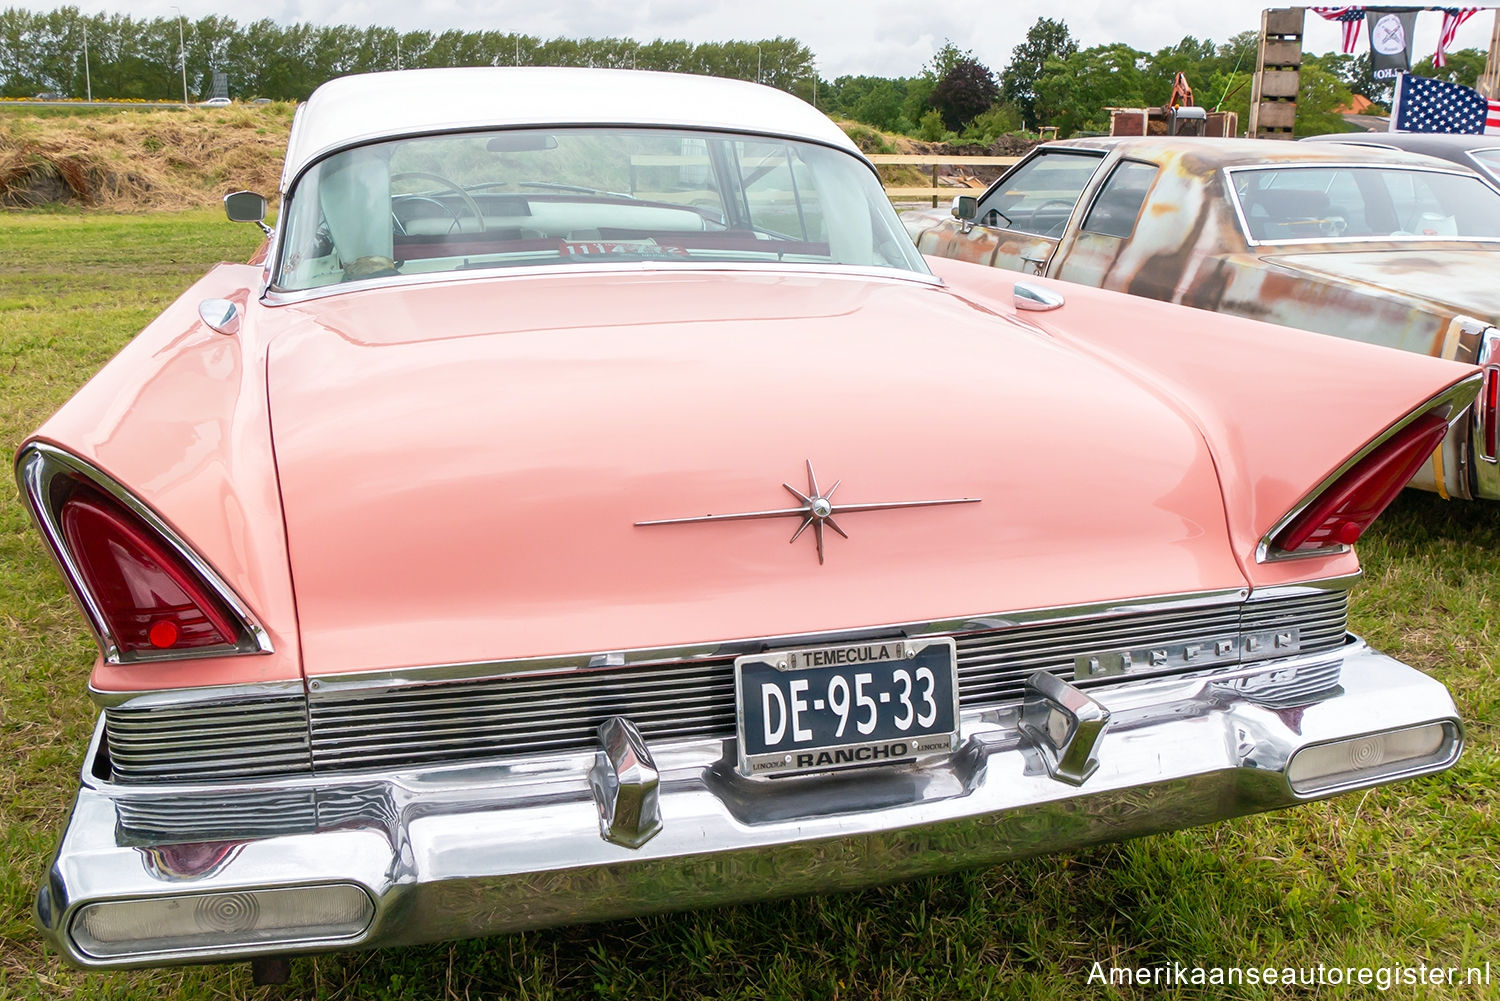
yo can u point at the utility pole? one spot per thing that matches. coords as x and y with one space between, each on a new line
757 64
398 51
88 85
181 54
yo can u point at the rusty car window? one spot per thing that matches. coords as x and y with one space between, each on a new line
561 197
1318 203
1040 195
1118 205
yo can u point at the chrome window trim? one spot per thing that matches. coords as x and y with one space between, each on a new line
1244 224
1487 171
281 297
37 464
1455 400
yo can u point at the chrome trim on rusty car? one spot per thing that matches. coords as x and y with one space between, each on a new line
1453 401
37 465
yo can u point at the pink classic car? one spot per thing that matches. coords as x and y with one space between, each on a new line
591 504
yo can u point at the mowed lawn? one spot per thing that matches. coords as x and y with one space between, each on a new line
1397 876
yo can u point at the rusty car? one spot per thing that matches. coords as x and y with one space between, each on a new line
1375 245
589 503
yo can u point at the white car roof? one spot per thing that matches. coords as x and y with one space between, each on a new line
358 109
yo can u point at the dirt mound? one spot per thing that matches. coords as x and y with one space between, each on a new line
133 161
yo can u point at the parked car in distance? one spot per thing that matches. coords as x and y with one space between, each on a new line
1373 245
1479 153
538 376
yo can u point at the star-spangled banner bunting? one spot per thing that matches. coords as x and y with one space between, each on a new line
1452 18
1351 17
1426 105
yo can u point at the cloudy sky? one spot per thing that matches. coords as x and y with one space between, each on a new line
878 37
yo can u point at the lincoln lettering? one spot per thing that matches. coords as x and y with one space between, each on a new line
852 755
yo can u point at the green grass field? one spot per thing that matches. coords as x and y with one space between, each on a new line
1401 875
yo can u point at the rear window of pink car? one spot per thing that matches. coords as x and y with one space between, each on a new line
527 198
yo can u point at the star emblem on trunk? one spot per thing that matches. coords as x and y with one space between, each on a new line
816 510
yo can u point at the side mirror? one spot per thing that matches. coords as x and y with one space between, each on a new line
965 207
247 206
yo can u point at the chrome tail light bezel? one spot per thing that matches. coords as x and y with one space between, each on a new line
39 468
1452 404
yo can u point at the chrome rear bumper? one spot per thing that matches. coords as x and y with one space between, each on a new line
488 848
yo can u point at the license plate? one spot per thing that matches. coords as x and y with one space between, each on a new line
856 704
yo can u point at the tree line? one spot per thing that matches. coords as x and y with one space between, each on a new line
140 58
1049 80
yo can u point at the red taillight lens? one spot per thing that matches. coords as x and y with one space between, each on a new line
151 600
1341 513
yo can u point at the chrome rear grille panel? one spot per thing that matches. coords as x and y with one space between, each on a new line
422 724
412 725
251 738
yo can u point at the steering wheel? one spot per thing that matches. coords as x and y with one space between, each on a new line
409 199
1049 203
452 186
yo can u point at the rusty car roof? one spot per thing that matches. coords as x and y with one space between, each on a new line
1215 153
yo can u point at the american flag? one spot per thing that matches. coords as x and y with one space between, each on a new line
1350 17
1452 18
1427 105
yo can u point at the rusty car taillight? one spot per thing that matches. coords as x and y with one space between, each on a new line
1342 512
